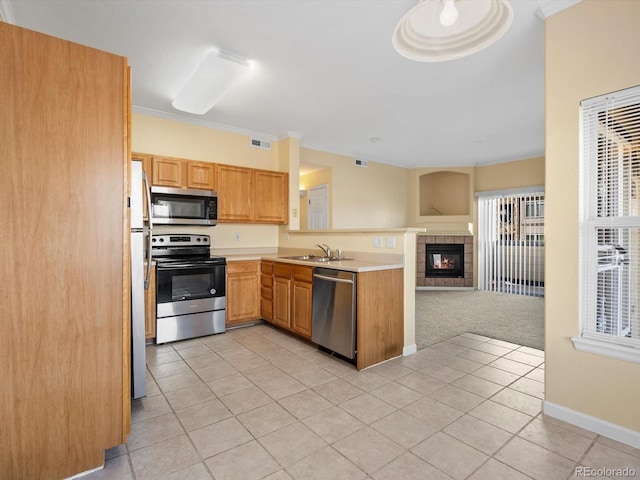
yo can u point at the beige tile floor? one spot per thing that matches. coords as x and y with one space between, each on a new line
255 403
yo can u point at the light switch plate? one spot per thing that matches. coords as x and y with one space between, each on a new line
390 242
377 242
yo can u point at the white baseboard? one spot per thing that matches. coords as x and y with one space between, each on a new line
597 425
409 350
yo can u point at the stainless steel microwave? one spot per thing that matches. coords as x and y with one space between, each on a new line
183 206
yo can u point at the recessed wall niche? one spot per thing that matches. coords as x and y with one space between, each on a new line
445 193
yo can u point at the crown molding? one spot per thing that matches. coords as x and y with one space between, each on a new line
6 12
552 7
201 123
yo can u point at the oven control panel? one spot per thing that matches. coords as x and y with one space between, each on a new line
180 240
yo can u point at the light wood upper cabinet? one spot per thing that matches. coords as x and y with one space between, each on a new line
235 187
245 195
201 175
271 197
243 291
168 172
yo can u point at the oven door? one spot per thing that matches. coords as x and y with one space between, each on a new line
177 282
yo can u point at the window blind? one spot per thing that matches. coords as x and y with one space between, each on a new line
610 218
511 242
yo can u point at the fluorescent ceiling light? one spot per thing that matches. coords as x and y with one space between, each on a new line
441 30
217 73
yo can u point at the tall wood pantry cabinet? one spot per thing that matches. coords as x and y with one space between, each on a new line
64 314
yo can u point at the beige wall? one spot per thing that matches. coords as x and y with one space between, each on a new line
178 139
517 174
591 49
438 223
373 197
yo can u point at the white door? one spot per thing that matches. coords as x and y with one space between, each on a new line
318 208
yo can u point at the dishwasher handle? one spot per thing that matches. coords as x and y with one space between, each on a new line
332 279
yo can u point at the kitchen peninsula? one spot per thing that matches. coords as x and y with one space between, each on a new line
381 287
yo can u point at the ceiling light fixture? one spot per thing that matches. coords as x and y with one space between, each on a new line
449 13
217 73
442 30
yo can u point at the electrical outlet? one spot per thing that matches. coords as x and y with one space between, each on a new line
295 213
237 236
377 242
390 242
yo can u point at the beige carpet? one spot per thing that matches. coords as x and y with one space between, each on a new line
442 314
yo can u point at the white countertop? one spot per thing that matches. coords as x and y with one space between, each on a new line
356 265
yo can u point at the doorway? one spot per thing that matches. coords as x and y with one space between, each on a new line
511 242
318 208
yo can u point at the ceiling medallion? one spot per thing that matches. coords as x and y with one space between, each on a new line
442 30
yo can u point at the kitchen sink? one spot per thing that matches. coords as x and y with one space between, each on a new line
315 258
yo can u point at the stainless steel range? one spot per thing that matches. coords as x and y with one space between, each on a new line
190 287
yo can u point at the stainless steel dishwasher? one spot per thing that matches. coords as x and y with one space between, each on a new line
333 319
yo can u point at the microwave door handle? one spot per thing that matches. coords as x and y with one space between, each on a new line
147 278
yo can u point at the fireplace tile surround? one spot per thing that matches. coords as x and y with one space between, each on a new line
421 256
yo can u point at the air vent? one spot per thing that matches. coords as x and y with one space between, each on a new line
256 142
361 163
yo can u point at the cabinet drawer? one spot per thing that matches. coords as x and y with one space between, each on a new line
282 270
266 281
245 266
266 267
304 274
266 293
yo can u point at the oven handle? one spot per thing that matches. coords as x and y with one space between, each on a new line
184 266
147 278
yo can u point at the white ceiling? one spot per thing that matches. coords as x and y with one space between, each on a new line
326 69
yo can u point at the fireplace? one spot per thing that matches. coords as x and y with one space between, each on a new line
444 260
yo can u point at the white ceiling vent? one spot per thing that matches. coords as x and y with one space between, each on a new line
361 163
256 142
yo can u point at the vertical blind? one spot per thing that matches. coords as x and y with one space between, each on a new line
511 242
610 221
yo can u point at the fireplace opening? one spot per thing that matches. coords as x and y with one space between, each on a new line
445 260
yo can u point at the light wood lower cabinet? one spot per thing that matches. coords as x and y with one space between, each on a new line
243 291
287 301
380 323
288 297
282 295
301 300
266 290
150 306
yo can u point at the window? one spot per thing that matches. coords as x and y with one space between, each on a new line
610 226
511 241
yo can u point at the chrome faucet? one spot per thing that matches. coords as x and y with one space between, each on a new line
325 248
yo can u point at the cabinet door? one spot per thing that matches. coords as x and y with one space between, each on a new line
201 175
301 308
235 186
271 197
281 302
167 172
243 287
64 385
150 307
